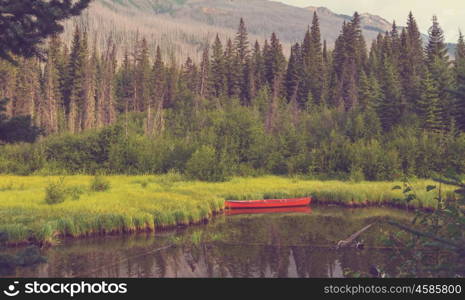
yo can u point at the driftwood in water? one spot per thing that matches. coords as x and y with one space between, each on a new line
347 242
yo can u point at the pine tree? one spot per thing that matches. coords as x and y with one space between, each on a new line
412 61
76 85
189 75
396 43
204 74
27 90
142 76
242 43
365 93
51 90
218 80
389 108
158 77
25 24
460 60
88 105
107 104
428 104
124 85
436 47
315 67
459 93
258 67
349 59
294 73
275 64
232 72
439 66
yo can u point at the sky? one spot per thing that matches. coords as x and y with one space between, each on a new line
450 13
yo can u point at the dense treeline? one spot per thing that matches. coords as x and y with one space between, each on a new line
245 108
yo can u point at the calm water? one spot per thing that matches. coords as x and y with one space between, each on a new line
285 244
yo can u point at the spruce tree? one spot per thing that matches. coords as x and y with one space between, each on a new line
258 67
204 74
294 73
124 85
76 82
275 64
459 64
315 67
390 106
439 66
158 77
142 76
232 70
25 24
218 80
428 104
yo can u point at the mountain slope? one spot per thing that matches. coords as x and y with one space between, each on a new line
184 26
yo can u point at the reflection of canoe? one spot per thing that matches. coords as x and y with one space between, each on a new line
248 211
270 203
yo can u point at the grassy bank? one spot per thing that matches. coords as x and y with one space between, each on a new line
147 203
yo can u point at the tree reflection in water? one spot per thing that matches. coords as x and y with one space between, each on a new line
268 245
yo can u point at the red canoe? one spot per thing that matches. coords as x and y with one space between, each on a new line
268 203
272 210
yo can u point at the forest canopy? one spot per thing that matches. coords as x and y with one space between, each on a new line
353 112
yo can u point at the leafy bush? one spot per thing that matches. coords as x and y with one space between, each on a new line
99 184
203 165
56 192
75 192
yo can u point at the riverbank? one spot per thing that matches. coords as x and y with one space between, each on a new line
149 203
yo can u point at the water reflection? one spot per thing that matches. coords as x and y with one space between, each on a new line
270 245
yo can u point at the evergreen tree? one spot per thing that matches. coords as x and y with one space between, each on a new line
25 24
158 77
315 67
460 60
258 67
124 85
218 80
242 43
412 61
436 47
294 73
428 104
51 90
204 74
389 108
232 73
275 64
142 73
439 67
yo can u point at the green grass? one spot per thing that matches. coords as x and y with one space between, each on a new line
147 203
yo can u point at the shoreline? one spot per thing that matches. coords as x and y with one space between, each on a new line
158 203
205 221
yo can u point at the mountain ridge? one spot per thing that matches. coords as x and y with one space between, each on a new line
185 26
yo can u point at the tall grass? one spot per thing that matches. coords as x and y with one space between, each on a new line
130 206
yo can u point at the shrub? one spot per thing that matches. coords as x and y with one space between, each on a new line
75 192
99 184
56 192
203 165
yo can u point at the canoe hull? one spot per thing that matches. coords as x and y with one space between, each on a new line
273 210
270 203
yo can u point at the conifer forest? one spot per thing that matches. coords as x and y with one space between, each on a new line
107 133
362 110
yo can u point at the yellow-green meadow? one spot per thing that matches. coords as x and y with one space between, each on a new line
148 203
